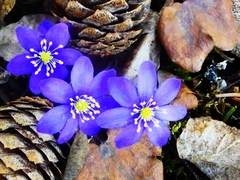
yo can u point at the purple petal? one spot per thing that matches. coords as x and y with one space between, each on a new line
54 120
68 130
28 38
44 26
171 112
123 91
89 128
68 55
159 135
106 102
167 91
58 34
82 74
20 61
99 85
56 90
35 80
147 80
128 136
115 118
60 72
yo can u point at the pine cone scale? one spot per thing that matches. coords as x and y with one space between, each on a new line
91 32
100 18
25 153
113 6
75 9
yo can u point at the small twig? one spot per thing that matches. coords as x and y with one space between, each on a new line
231 85
227 95
224 55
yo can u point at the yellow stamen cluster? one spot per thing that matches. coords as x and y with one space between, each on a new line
85 106
46 57
81 105
145 112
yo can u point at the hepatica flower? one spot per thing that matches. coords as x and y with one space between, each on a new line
144 107
46 56
44 26
80 102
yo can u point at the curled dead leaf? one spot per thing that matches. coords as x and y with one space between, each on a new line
186 98
212 146
190 30
236 13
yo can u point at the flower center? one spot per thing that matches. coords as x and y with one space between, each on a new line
84 106
145 114
46 57
81 105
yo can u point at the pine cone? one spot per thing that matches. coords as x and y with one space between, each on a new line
25 153
102 27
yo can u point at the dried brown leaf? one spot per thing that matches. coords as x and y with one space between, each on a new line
236 13
186 98
212 146
137 162
190 30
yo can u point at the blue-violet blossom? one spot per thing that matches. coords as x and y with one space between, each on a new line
144 108
80 102
46 56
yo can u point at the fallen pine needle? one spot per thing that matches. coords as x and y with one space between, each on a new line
227 95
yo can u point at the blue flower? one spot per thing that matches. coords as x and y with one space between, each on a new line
144 108
46 56
44 26
80 102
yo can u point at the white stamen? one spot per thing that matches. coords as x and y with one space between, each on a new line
87 114
139 120
37 61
